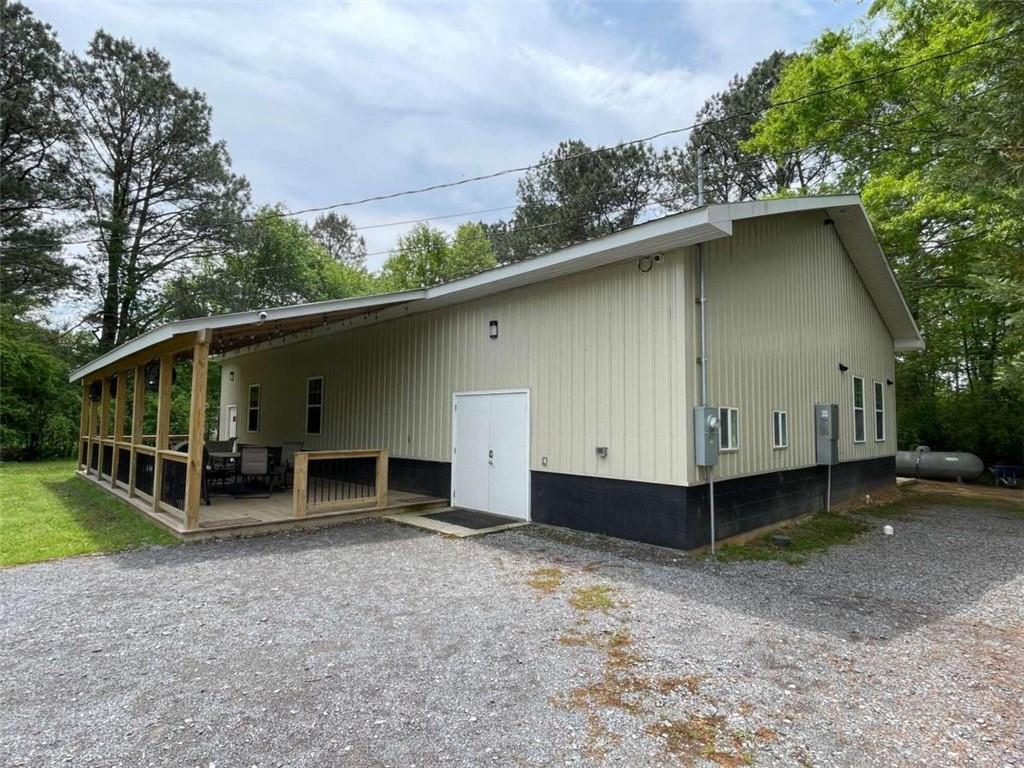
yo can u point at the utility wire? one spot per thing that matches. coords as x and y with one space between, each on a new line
600 150
748 160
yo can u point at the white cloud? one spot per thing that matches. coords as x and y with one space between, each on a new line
325 102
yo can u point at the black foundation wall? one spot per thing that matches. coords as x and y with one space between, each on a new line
676 516
648 512
431 478
746 503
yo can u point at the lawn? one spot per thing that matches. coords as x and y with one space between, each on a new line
812 534
47 512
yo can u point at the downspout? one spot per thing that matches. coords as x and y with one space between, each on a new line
702 300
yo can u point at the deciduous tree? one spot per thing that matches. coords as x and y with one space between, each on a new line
424 257
339 236
923 107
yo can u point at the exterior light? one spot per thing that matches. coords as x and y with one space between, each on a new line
492 329
843 368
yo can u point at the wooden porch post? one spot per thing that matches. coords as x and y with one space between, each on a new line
196 429
104 423
163 425
382 479
122 386
83 428
138 419
300 477
91 444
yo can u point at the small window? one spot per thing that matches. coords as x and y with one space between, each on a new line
314 404
879 411
253 422
780 429
858 409
728 429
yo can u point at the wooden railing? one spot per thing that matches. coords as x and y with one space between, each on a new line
330 481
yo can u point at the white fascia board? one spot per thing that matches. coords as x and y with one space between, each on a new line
669 233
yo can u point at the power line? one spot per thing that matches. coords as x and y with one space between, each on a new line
597 151
747 160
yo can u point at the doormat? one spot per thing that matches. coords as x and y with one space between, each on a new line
457 522
469 518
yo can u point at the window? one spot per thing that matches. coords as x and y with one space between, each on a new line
879 411
858 409
780 429
728 429
253 422
314 404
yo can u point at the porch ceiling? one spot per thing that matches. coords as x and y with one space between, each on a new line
231 332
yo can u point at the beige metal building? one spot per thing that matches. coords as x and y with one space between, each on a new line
563 389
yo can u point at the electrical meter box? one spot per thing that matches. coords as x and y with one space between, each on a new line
826 433
705 435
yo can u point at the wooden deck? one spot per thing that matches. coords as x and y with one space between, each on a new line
244 516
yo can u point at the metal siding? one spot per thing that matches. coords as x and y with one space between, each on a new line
597 350
608 357
785 307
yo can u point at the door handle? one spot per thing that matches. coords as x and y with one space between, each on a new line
490 457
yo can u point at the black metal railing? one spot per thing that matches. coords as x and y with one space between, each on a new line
341 479
124 465
108 459
145 467
173 485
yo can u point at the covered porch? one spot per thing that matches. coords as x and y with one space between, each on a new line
194 488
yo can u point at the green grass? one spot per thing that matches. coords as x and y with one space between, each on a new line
814 534
913 502
47 512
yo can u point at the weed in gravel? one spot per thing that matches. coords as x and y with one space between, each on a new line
546 580
575 638
596 598
702 736
599 738
814 534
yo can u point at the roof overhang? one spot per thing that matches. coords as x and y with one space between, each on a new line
240 329
244 330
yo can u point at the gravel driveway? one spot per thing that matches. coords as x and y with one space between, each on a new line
372 644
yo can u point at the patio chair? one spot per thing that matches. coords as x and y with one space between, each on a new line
286 465
214 470
255 462
221 446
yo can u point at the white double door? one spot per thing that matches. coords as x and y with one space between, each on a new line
491 452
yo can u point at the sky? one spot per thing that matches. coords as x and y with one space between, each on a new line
321 103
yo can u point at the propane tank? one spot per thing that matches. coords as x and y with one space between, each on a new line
939 465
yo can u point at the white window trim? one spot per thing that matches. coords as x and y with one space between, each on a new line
783 433
862 408
305 426
249 409
734 414
874 400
